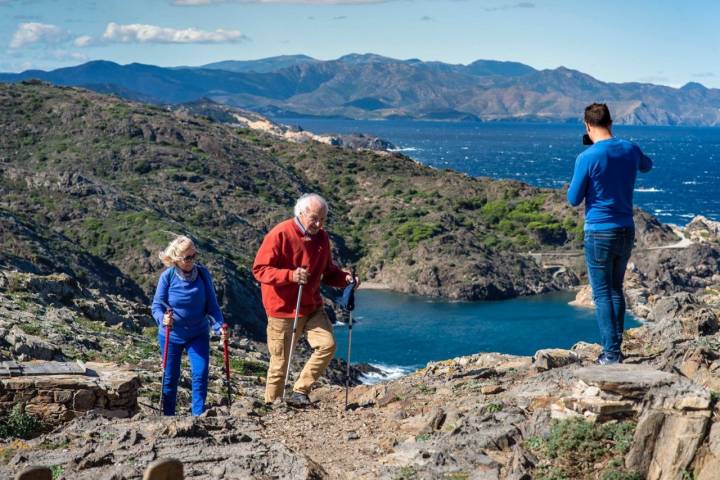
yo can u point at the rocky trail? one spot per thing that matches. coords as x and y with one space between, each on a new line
555 415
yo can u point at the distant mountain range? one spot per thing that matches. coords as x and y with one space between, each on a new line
370 86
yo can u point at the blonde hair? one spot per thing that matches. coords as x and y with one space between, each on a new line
171 254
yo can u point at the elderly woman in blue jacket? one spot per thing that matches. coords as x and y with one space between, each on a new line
184 299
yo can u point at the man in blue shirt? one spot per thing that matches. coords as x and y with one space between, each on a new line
604 178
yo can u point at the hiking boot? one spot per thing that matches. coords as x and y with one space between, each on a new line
603 360
298 399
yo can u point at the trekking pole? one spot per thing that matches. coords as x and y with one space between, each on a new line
292 341
165 354
347 373
226 357
164 364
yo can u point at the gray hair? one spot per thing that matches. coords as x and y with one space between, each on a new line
306 199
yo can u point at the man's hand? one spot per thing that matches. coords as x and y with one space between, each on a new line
300 275
349 279
168 318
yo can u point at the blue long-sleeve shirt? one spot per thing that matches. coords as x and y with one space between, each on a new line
604 177
191 302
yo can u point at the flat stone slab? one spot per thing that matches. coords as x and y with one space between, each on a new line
34 368
627 380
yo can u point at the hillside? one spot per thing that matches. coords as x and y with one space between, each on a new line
370 86
92 186
95 186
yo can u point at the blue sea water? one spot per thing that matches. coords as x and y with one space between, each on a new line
401 333
684 181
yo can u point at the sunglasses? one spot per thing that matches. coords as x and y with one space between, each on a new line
189 258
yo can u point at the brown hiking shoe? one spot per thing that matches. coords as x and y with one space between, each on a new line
164 469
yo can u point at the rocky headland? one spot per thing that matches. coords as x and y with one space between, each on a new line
92 187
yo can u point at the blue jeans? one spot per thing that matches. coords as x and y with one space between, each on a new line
606 254
198 349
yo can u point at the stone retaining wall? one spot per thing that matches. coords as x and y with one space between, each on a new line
56 398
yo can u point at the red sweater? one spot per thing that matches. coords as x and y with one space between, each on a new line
284 249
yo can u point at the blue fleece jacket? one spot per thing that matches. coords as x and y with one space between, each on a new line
605 178
191 303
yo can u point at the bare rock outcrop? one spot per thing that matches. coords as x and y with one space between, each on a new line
702 229
211 448
670 430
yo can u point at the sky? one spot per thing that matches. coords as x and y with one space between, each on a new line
662 41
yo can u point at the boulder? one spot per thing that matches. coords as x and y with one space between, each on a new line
673 423
707 463
31 346
682 316
583 298
549 358
701 229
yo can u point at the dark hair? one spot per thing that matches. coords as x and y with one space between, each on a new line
598 115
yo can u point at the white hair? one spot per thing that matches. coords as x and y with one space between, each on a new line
303 203
171 255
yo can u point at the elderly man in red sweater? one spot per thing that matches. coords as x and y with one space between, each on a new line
294 252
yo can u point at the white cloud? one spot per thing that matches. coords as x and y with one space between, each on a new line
33 32
83 41
140 33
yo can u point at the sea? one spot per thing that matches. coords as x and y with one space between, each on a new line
400 333
684 181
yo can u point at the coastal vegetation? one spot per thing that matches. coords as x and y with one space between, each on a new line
96 186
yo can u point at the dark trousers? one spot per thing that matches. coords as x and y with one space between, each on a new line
607 253
198 349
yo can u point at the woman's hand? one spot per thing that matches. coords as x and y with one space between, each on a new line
168 318
224 335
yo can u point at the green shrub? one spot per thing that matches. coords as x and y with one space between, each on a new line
621 475
247 367
491 241
406 473
19 424
495 210
57 471
415 232
574 447
506 226
471 203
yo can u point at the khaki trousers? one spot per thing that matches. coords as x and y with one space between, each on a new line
320 335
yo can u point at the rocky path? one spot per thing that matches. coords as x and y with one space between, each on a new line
348 444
